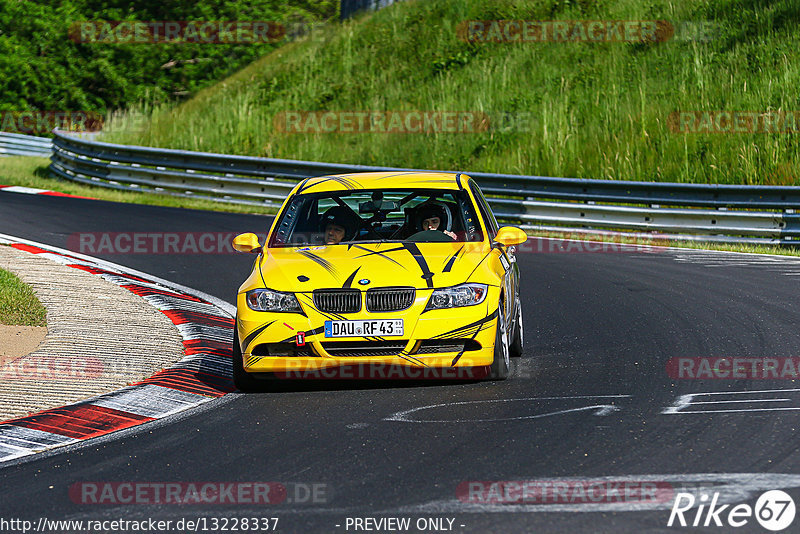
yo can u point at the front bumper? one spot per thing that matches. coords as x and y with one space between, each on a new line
476 323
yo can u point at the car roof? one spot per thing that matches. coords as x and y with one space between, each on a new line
384 180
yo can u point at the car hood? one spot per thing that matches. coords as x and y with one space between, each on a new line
367 265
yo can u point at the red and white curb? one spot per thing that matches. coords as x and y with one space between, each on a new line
204 374
34 191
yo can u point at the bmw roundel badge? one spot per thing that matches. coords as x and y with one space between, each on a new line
363 281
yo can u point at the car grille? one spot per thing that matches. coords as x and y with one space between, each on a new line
452 347
337 300
289 350
387 299
434 346
364 348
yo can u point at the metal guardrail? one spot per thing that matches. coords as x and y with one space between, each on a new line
696 211
12 144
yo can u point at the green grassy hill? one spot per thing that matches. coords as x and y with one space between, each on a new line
595 109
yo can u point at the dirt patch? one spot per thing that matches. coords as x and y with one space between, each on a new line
18 341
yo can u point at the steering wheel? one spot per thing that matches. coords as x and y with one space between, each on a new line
434 236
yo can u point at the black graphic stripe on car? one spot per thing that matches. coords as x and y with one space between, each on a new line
246 341
452 260
427 274
477 323
325 264
381 253
349 281
346 183
413 360
329 315
461 352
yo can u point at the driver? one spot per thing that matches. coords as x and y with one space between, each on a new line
432 216
338 224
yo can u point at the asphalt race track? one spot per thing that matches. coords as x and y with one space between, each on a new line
591 400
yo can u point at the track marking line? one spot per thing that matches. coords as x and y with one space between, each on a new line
602 409
687 401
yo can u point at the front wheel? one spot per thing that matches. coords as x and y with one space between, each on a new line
501 363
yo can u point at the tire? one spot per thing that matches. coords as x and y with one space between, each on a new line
243 381
500 365
518 338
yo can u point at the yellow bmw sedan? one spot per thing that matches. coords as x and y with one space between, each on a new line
405 274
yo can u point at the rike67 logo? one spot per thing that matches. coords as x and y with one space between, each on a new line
774 510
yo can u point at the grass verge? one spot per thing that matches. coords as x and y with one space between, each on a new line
18 304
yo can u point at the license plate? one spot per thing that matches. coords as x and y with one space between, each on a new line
363 328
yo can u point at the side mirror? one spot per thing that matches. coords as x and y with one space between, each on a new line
509 236
247 243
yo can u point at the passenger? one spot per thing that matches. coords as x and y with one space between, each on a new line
433 216
338 224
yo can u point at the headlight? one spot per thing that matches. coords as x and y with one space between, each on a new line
457 296
272 301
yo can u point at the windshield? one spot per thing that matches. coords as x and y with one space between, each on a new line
377 216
